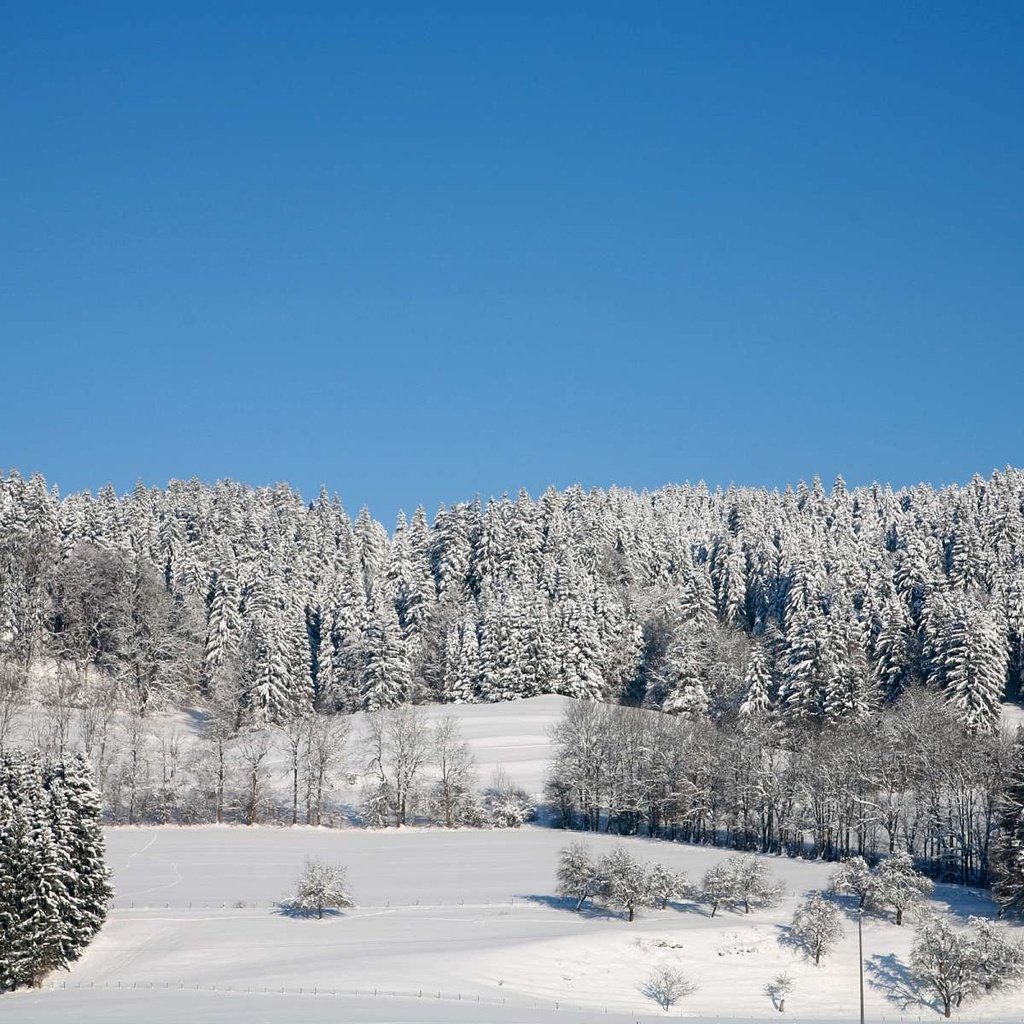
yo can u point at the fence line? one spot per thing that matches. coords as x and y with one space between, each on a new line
118 904
440 994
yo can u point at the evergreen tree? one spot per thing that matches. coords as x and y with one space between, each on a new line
386 675
54 886
1008 848
757 701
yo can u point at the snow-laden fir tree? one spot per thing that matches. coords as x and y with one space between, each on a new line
54 885
1008 848
757 698
386 675
461 663
973 655
841 588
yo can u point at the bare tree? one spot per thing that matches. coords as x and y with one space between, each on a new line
666 885
942 961
778 988
451 794
900 887
134 777
854 877
95 720
220 726
817 926
626 882
253 748
667 985
718 886
60 693
327 749
295 731
578 877
320 887
12 697
398 748
754 886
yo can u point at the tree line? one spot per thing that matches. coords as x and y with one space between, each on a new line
913 778
821 605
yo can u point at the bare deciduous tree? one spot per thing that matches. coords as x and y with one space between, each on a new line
667 985
817 926
320 887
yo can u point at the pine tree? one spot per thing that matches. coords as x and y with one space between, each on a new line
54 886
386 676
757 701
971 661
461 663
224 627
1008 846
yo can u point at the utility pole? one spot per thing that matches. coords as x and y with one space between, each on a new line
860 957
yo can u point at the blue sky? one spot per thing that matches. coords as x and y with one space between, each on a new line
415 252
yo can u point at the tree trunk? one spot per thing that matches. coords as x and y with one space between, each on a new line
782 1004
899 915
220 782
631 913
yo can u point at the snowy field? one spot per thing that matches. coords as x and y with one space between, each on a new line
451 926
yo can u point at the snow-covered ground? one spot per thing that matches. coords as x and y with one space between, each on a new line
514 736
450 926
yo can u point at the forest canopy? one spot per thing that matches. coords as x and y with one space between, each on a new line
813 605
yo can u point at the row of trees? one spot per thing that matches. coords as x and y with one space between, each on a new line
54 885
387 768
815 605
912 779
621 880
951 964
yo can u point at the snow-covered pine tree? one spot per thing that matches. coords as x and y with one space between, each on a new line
387 675
971 661
224 626
54 886
267 692
1008 846
757 684
461 663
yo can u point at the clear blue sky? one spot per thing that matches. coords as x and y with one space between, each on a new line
419 251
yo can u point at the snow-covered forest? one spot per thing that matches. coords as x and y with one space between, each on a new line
832 664
817 604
